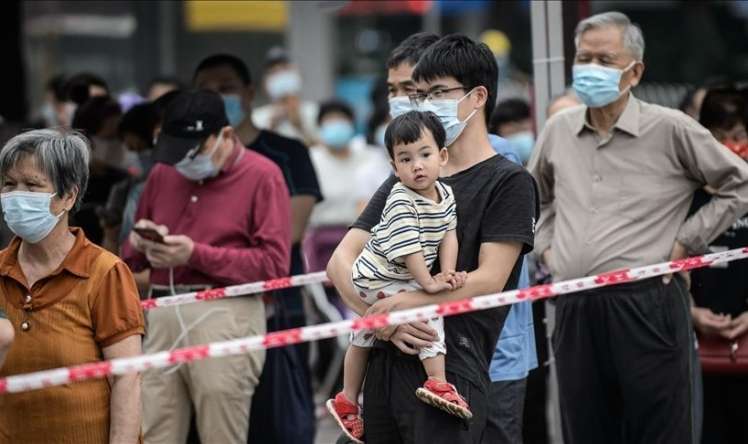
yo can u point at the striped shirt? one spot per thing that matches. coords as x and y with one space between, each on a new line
410 223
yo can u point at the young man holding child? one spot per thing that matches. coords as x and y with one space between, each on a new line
496 208
417 226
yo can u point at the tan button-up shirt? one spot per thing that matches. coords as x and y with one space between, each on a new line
621 201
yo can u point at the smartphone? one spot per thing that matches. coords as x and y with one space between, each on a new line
149 234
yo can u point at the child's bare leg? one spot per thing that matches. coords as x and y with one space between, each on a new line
354 370
435 367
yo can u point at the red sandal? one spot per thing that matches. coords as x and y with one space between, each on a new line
444 396
347 416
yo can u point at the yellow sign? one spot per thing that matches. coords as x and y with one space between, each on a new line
222 15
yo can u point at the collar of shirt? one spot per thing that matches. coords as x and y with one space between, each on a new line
441 189
628 121
78 261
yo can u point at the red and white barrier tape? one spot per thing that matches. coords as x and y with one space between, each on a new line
236 290
48 378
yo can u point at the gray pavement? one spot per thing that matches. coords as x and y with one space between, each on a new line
327 431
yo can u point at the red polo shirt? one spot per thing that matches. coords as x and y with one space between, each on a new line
239 221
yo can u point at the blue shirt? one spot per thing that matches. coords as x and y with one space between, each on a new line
515 353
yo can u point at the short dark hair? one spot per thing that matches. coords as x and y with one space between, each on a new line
140 120
77 87
277 55
410 50
56 85
232 61
165 80
510 110
160 104
470 63
90 117
722 108
409 127
335 106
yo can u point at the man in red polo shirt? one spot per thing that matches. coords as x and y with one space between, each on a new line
224 215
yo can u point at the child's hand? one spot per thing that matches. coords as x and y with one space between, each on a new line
455 279
438 283
458 279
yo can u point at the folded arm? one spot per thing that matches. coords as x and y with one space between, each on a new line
710 163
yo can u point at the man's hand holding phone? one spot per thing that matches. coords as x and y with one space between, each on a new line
161 249
145 233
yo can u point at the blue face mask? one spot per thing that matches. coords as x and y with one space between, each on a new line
27 214
399 106
597 85
201 166
522 144
446 110
337 134
232 103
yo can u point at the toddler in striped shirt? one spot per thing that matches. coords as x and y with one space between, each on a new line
417 226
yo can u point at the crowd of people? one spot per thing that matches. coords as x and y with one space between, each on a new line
449 194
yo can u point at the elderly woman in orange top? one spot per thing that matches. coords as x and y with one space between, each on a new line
69 301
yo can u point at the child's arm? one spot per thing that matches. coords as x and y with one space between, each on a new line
6 337
448 252
448 258
417 267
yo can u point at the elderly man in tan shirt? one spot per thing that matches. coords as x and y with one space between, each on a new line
616 180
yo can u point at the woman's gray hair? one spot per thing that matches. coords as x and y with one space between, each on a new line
61 155
633 40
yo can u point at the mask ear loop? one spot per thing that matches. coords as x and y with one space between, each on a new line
58 216
194 152
470 116
628 88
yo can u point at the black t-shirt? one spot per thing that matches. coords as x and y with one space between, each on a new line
722 288
496 202
292 157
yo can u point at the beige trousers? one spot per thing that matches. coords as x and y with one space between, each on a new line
219 389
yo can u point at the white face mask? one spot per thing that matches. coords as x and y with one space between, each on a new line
447 112
399 106
283 84
201 166
27 214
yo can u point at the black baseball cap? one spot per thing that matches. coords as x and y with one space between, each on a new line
188 120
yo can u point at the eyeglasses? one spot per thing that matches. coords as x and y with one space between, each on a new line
437 94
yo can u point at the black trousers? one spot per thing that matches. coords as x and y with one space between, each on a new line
394 415
506 402
535 418
725 411
624 364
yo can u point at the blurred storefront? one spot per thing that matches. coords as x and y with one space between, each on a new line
341 46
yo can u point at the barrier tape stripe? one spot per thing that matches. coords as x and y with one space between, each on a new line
236 290
60 376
